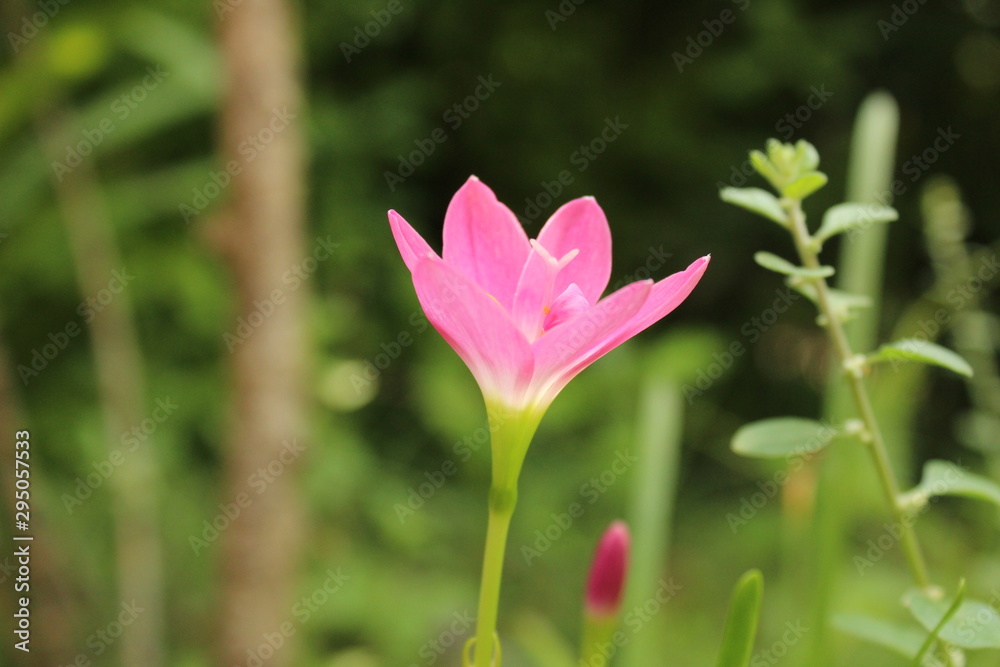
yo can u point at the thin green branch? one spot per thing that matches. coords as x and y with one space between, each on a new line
854 374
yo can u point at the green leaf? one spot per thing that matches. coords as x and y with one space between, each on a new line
741 624
781 437
948 614
902 639
974 625
843 217
806 155
757 201
805 185
784 267
763 166
922 351
943 478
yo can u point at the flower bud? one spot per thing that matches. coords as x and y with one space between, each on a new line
606 584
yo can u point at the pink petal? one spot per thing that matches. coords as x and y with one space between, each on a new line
565 306
412 245
663 298
477 327
608 571
485 241
529 298
580 224
535 294
666 295
568 348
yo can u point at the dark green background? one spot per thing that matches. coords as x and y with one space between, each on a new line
658 181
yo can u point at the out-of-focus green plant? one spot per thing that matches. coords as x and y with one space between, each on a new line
741 624
792 172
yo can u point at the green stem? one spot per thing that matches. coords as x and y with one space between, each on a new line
501 509
862 401
597 647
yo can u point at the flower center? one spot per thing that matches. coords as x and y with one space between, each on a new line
537 308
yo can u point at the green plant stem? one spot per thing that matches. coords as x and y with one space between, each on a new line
598 633
501 510
862 401
932 637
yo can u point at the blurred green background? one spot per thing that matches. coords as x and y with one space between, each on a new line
384 417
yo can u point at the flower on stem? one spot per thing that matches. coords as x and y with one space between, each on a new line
526 315
608 572
603 601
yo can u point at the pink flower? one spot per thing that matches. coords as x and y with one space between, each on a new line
527 315
606 584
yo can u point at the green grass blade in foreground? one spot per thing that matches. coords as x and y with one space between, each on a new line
660 423
741 624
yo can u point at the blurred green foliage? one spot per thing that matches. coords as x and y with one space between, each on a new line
779 68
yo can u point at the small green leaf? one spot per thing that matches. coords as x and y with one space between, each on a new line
757 201
764 167
974 625
843 217
922 351
741 624
902 639
806 155
784 267
932 637
805 185
781 437
943 478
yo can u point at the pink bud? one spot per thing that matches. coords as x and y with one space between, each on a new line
606 583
